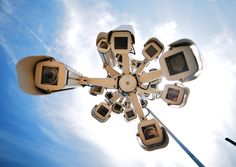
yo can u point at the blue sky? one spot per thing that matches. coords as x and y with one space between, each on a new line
58 130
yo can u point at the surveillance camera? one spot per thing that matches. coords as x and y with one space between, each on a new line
175 94
117 107
130 114
40 75
111 97
152 49
152 135
101 112
104 50
121 39
181 62
96 90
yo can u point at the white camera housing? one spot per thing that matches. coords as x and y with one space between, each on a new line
101 112
40 75
121 39
152 49
130 114
174 94
152 135
181 62
104 50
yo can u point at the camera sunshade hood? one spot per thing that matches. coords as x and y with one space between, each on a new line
25 72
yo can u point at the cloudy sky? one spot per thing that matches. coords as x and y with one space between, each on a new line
58 129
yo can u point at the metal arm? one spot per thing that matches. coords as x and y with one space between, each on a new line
125 64
150 76
111 71
137 106
110 83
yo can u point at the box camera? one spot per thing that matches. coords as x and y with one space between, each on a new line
175 94
117 107
101 112
152 49
96 90
152 135
121 39
130 114
104 50
181 62
40 75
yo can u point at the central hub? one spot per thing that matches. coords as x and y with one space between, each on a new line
127 83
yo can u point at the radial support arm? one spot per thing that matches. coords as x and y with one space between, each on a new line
137 106
111 71
110 83
150 76
125 64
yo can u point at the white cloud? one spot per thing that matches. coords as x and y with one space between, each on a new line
207 111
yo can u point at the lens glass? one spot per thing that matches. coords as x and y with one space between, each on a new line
104 45
103 111
150 131
117 107
177 63
130 113
50 75
121 42
151 51
172 94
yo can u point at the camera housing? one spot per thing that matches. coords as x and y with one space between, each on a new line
152 49
121 39
181 62
174 94
152 135
130 114
101 112
40 75
117 107
104 50
96 90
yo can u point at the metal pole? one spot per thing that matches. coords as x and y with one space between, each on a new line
194 158
231 141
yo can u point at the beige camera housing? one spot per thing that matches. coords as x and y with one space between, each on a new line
121 39
96 90
30 74
180 63
104 50
174 94
130 114
153 136
117 107
152 49
101 112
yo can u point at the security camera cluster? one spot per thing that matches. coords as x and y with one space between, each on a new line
127 86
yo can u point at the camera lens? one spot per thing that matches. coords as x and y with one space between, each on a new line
50 75
177 63
172 94
150 132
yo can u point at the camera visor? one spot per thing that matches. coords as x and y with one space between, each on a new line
176 63
49 75
150 132
151 51
172 94
121 42
102 111
130 114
